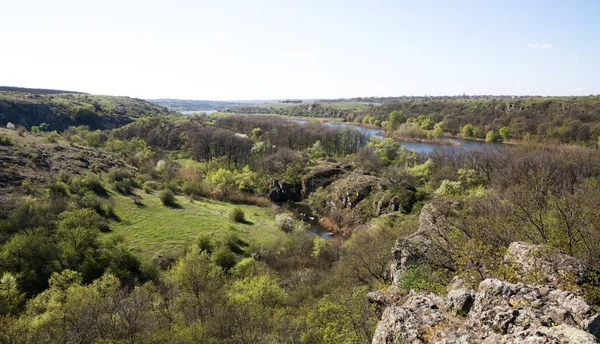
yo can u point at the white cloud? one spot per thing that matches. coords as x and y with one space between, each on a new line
574 56
299 55
539 46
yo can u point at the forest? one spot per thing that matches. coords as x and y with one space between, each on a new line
541 119
78 266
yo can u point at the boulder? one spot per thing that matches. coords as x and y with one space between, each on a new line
501 312
544 264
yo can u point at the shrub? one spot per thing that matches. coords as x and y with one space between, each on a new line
285 221
167 197
150 186
205 243
224 258
124 186
237 215
449 188
53 137
80 185
5 140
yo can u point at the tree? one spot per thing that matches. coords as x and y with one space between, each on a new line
200 283
396 119
505 133
467 130
253 302
437 132
223 181
491 136
317 151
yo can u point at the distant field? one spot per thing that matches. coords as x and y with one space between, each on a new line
154 229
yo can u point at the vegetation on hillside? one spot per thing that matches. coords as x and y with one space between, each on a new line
161 231
59 111
559 119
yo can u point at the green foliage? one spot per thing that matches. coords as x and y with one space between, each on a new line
285 221
317 151
437 132
5 140
505 133
491 136
467 130
224 258
205 243
396 118
81 185
237 215
386 149
11 298
449 188
167 197
424 278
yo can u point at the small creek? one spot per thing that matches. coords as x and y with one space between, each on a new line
305 213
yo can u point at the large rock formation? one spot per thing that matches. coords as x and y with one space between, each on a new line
321 176
547 265
498 312
428 240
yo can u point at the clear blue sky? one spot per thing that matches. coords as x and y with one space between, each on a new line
301 49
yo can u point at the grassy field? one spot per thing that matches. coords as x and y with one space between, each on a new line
154 229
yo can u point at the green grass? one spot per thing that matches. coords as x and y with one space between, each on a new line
154 229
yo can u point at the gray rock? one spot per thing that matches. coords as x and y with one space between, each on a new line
543 264
501 312
461 300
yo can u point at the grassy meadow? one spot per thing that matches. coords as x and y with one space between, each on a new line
153 229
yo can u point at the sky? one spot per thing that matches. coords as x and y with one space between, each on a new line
234 50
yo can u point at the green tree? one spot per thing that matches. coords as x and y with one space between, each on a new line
505 133
467 130
317 151
396 119
491 136
386 149
253 302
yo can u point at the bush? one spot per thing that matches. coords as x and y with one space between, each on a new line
285 221
124 186
205 243
224 258
237 215
5 140
80 185
150 186
167 197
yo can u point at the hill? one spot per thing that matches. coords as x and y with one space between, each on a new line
36 90
60 111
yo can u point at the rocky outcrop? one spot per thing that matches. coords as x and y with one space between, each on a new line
547 265
281 192
539 311
321 176
501 312
428 240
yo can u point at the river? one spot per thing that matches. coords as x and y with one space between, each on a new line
419 147
186 112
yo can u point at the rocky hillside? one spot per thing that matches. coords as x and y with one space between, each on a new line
31 160
496 311
60 111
